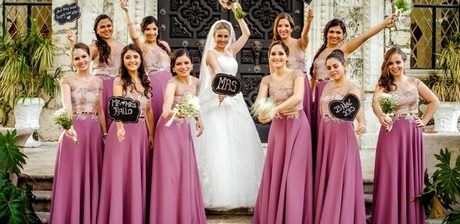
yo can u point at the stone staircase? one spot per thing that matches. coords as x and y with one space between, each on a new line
42 186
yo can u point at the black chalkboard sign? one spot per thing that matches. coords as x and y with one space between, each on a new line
124 109
307 1
345 109
226 84
67 13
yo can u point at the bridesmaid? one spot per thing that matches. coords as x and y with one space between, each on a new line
105 54
285 193
157 56
399 160
339 194
282 30
176 192
78 166
123 186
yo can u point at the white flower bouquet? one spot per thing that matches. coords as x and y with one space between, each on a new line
264 107
239 13
388 103
63 118
189 107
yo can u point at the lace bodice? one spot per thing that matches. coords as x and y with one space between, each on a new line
114 62
157 59
408 97
280 92
139 96
296 59
182 89
84 93
331 93
320 69
227 63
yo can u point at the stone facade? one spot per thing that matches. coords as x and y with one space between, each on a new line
359 16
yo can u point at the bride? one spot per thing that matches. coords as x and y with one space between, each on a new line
229 152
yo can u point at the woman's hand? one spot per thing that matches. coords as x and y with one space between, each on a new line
199 127
309 14
121 133
167 114
385 120
360 129
225 4
151 141
221 98
390 20
71 133
419 122
264 119
124 5
71 37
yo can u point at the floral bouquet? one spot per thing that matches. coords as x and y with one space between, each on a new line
402 7
264 107
189 107
388 104
239 13
62 117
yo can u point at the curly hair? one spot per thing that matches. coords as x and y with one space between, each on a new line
386 80
126 78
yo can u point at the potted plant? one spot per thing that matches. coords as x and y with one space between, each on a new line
447 86
25 63
15 202
443 187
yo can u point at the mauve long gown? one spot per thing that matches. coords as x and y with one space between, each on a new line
124 174
339 194
176 193
77 171
286 189
399 164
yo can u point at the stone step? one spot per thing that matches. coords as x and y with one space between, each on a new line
38 182
44 216
42 201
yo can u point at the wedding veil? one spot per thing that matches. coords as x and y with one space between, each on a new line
205 76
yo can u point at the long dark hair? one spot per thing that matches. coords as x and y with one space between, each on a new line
386 80
179 53
102 46
337 54
126 78
149 20
332 23
282 15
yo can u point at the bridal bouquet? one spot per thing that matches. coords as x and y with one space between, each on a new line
189 107
62 117
401 7
264 107
388 104
239 13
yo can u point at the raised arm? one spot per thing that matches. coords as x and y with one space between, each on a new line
131 26
354 44
304 38
239 44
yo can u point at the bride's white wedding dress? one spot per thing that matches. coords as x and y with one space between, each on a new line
229 152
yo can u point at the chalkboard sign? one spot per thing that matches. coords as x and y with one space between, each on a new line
226 84
67 13
124 109
345 109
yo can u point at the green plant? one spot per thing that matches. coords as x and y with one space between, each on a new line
15 202
452 218
25 63
447 86
442 188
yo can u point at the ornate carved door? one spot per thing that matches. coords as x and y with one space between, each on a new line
185 23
